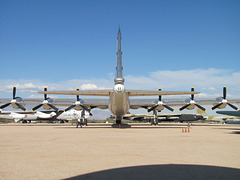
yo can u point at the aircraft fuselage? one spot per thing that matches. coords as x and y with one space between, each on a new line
119 101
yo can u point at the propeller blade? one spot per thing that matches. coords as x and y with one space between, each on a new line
232 106
37 107
192 95
200 107
216 106
45 95
70 107
184 107
169 108
224 92
14 92
159 97
5 105
53 107
152 108
21 107
86 109
78 99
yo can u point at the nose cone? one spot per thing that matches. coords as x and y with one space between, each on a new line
119 88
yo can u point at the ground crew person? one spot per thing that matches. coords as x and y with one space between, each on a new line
79 123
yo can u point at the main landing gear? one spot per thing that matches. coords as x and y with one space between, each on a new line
154 121
119 123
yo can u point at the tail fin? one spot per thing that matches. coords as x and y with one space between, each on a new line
203 113
119 67
16 120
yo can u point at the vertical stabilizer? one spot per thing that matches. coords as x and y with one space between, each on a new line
203 113
119 67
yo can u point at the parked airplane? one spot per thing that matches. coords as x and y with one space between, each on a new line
235 114
229 113
164 117
217 119
119 101
46 115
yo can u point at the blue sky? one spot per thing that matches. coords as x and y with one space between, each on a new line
169 44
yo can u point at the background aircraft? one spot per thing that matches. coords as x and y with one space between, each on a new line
229 113
45 116
218 119
164 117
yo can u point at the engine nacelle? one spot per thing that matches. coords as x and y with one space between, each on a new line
49 100
191 107
222 106
188 100
219 99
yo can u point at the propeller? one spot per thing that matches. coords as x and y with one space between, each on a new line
14 101
224 100
192 102
45 102
78 103
160 104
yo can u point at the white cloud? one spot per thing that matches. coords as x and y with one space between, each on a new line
208 81
210 88
88 86
201 78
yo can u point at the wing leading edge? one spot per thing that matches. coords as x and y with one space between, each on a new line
129 92
157 93
84 93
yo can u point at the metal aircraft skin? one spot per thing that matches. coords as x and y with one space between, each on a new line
164 117
119 99
44 115
229 113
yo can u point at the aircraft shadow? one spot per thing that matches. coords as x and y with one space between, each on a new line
233 130
166 172
135 126
236 132
125 127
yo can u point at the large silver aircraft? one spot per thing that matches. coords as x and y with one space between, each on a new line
119 100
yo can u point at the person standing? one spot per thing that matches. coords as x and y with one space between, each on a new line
79 123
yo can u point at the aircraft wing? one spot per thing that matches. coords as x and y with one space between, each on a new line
89 103
84 93
148 103
19 112
5 100
157 93
129 92
65 102
229 113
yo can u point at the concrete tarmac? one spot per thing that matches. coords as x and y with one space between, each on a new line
42 151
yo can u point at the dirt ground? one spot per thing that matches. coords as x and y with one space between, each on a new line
42 151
